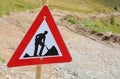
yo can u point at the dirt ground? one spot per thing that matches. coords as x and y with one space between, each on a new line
90 59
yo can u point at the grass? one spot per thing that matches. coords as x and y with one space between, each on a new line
2 60
94 26
71 19
82 6
101 25
86 6
7 6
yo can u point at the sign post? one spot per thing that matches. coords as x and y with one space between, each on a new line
38 72
42 44
44 2
39 67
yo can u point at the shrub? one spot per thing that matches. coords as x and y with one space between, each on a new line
116 8
71 19
112 20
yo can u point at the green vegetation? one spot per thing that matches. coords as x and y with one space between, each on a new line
71 19
7 6
94 26
86 6
116 8
82 6
112 20
99 25
2 60
102 25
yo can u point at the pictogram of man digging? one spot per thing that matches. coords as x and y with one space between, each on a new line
40 40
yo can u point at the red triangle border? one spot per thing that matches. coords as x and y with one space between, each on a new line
15 61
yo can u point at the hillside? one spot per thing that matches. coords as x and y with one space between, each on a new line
82 6
8 6
86 6
91 59
80 23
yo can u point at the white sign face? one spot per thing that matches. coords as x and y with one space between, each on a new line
42 44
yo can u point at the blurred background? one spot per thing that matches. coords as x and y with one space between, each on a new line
90 29
106 23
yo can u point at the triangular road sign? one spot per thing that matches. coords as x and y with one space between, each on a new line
42 44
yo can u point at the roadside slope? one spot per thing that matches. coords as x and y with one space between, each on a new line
91 59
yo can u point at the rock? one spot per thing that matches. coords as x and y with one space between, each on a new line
107 35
